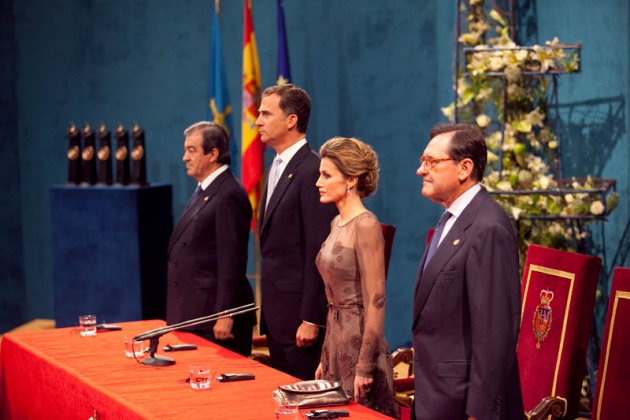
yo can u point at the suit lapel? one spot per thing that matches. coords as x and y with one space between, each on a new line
189 214
261 210
449 246
454 240
283 183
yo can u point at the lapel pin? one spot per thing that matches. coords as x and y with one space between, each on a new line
456 242
206 198
290 176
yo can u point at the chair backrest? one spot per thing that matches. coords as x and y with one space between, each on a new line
388 234
613 376
558 298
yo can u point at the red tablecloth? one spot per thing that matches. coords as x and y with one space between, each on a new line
57 374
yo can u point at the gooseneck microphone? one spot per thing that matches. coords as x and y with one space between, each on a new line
154 335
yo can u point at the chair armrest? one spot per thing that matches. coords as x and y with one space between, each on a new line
403 355
554 406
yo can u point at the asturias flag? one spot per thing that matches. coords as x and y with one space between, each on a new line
284 70
219 108
252 148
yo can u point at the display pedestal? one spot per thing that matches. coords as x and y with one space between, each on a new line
109 246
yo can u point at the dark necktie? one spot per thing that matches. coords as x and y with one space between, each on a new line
194 197
436 236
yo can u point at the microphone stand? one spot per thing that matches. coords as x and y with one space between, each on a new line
154 335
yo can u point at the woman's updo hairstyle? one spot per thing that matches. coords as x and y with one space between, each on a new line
353 158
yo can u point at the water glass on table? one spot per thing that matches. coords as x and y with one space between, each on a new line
200 376
87 325
287 412
135 349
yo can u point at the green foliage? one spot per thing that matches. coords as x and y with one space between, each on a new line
505 90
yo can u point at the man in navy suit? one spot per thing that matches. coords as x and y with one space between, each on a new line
466 310
207 254
293 226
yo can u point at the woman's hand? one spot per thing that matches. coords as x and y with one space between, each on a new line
318 372
362 386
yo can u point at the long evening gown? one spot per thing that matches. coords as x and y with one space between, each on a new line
351 262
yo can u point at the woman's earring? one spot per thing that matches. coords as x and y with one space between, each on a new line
348 191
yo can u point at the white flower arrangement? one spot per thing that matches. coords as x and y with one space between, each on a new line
523 155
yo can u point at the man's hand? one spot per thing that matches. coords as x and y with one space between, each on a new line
222 329
306 334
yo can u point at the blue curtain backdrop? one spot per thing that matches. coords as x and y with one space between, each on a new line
376 70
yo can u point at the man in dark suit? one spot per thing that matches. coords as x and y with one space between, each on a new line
466 311
207 254
293 226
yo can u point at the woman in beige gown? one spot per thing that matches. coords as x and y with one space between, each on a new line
352 264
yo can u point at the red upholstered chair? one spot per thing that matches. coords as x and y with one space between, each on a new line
557 309
613 377
260 350
388 234
404 385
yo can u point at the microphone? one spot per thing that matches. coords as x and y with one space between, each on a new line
154 335
158 332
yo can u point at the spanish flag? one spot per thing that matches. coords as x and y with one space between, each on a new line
252 164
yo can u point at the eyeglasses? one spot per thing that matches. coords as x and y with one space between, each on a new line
431 161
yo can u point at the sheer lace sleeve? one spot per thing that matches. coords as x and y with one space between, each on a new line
370 247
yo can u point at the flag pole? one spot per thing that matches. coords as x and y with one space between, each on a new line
257 266
252 149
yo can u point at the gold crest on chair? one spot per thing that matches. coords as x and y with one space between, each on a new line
557 311
543 317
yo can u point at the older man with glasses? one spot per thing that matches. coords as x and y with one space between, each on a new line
466 310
